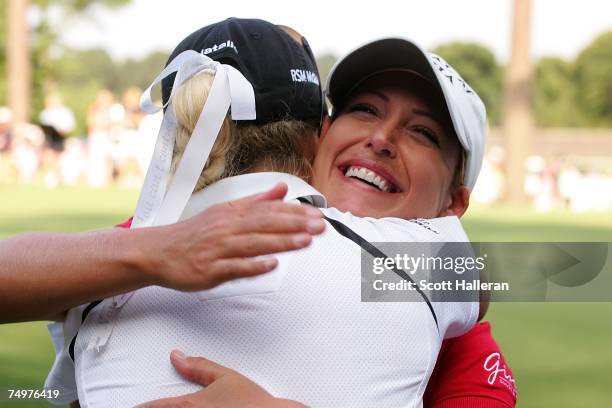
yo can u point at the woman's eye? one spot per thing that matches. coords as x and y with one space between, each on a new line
363 107
428 134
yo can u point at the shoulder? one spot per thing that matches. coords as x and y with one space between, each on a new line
443 229
471 369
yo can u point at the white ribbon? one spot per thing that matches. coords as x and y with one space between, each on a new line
158 205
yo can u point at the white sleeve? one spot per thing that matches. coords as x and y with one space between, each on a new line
61 376
454 317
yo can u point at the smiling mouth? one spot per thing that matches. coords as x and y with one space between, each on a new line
370 178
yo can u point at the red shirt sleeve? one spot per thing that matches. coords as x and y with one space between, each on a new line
125 224
471 372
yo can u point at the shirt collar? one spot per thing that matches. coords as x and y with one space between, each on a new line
236 187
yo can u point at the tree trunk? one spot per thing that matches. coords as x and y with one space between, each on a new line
517 121
19 67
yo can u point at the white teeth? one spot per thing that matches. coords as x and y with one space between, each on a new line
369 176
362 173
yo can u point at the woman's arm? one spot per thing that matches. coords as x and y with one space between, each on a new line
44 274
471 372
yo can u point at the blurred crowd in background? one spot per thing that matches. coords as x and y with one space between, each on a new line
552 183
120 139
116 149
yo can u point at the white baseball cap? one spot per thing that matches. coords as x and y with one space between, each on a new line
467 112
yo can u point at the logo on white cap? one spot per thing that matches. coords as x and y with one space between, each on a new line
445 69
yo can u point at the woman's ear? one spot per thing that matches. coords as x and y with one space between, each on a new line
457 203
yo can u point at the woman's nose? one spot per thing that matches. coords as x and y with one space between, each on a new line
382 141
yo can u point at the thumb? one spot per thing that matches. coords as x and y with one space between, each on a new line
197 369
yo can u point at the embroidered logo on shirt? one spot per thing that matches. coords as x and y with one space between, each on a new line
425 224
499 372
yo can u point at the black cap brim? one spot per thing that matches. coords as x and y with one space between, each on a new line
377 56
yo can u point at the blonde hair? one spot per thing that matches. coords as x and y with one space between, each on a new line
286 145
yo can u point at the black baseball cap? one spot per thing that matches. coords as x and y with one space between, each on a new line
282 71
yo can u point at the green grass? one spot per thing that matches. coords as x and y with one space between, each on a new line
512 224
559 352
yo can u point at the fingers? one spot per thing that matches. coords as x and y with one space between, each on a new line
270 221
274 207
197 369
266 217
268 203
272 218
255 244
275 193
267 210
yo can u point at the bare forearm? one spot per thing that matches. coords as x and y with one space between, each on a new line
44 274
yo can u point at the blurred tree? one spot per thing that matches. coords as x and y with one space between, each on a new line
140 72
75 67
554 94
43 35
517 115
79 74
18 64
594 81
480 69
3 51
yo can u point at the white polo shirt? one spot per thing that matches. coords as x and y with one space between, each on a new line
301 331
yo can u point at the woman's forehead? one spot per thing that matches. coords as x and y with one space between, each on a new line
408 84
381 85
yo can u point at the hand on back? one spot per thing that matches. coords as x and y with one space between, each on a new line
220 243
